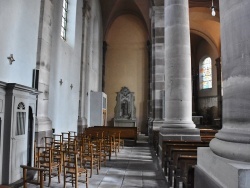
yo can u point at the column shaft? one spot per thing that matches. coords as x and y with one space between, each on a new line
82 120
233 141
43 123
178 93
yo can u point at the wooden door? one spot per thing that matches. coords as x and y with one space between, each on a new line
18 138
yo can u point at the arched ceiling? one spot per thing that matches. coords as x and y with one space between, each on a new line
201 21
111 9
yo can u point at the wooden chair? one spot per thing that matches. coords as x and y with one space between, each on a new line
88 158
47 141
35 154
57 155
118 141
72 135
99 152
45 161
31 181
72 170
65 137
112 144
57 138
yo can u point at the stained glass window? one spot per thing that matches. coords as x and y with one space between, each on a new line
64 19
206 73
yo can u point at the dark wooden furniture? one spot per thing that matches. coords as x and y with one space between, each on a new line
125 132
31 181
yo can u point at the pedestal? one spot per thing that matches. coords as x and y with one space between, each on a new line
124 123
217 172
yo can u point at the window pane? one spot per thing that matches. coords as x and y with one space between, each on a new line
64 19
206 74
20 126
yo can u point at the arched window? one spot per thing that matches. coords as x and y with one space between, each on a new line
64 19
206 73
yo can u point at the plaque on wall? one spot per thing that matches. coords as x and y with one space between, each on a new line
125 109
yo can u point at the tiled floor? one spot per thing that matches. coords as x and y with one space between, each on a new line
134 166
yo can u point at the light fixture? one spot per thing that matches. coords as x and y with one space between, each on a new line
213 9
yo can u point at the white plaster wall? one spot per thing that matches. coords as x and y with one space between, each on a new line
66 61
94 53
19 22
65 65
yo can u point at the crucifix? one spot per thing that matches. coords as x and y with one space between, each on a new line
11 58
61 82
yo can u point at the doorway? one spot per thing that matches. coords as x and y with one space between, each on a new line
30 136
1 141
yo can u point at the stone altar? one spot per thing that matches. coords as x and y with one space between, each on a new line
125 109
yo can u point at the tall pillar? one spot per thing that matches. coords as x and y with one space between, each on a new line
228 161
233 140
178 80
43 123
219 93
82 119
178 124
157 70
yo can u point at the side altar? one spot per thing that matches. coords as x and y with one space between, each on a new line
125 109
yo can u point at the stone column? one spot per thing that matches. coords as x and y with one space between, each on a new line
178 81
43 123
156 72
158 61
82 120
219 94
233 141
227 162
178 124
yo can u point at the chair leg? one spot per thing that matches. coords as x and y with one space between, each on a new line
87 181
49 178
91 167
59 179
76 181
24 178
64 178
41 179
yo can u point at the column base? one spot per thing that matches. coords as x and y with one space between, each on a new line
157 124
43 129
81 125
217 172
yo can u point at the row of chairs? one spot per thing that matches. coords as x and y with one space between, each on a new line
73 155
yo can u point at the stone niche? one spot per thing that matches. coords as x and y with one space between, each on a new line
125 109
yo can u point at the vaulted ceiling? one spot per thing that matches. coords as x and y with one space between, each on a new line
201 21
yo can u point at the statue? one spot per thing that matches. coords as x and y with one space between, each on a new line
125 109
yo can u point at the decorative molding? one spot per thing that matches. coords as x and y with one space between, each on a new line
21 106
125 108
